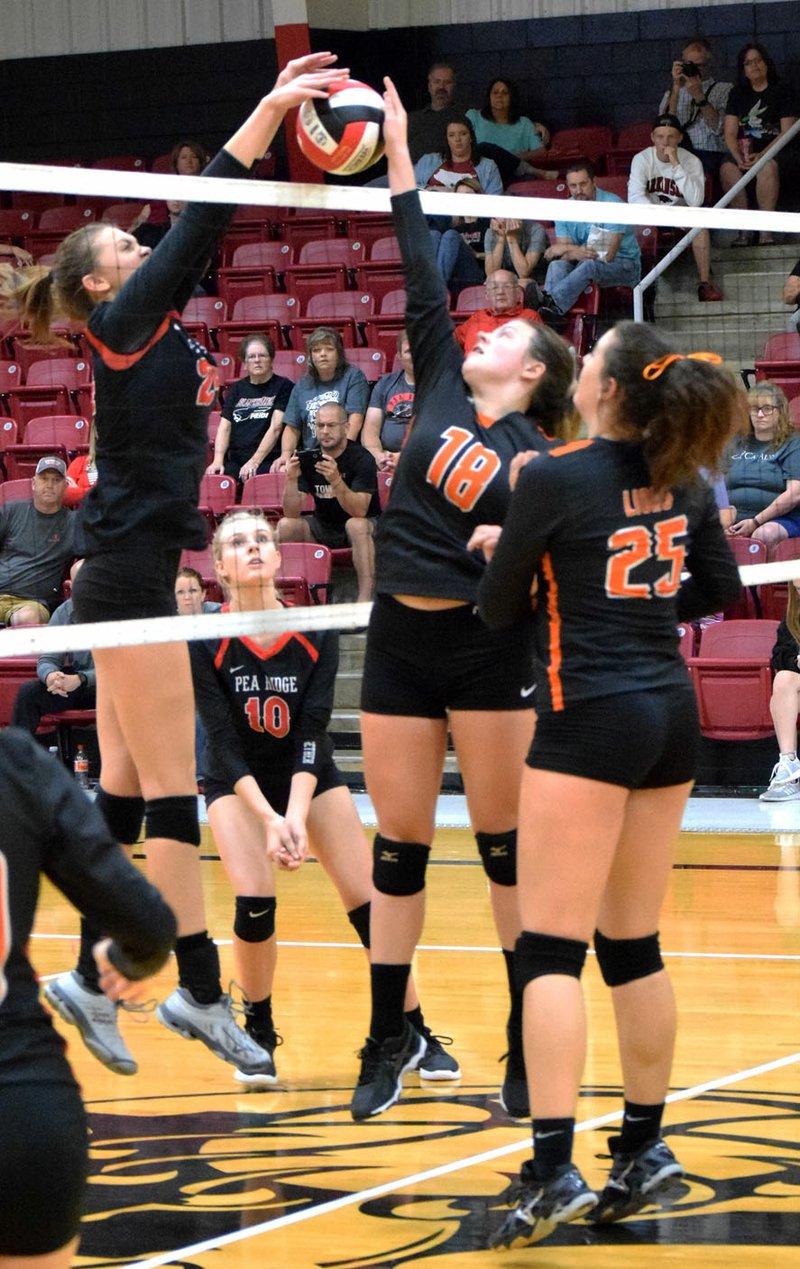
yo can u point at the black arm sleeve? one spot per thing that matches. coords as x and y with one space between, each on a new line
312 744
81 858
714 582
215 708
166 280
504 591
428 322
784 654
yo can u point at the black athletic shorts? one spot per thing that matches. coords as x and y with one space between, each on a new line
43 1167
119 584
639 740
330 777
422 663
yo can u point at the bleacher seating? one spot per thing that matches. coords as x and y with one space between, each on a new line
732 679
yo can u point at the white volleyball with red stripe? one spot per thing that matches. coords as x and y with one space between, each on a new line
343 133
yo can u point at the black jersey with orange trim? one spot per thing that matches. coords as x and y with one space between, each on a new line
154 387
453 471
615 566
266 710
49 828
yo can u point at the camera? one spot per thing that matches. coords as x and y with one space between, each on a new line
308 459
690 70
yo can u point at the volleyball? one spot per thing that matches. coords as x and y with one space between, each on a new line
343 133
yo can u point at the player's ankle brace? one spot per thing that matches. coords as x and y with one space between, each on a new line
254 921
359 919
537 955
174 818
498 852
624 960
398 868
124 816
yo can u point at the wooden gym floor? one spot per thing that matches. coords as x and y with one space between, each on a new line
189 1170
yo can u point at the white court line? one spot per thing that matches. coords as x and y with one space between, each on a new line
454 947
418 1178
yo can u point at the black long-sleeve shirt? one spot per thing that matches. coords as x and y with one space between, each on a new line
453 472
50 828
785 651
607 561
154 388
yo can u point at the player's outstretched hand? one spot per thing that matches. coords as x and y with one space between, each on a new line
395 121
310 76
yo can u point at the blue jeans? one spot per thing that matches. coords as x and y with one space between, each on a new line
457 264
566 280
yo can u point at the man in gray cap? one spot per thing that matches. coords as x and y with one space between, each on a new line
36 545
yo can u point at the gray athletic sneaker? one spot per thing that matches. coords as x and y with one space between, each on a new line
218 1030
539 1206
783 783
95 1016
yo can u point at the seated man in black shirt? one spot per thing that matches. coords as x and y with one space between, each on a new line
791 293
342 477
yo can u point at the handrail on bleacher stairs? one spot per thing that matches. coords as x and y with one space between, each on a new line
689 237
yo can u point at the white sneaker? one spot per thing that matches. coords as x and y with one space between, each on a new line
785 771
218 1030
95 1016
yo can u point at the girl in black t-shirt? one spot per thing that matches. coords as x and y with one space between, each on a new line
620 539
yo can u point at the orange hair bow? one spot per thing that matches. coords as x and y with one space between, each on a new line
655 369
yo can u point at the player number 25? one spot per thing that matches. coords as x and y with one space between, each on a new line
635 545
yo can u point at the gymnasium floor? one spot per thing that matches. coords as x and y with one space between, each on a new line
188 1170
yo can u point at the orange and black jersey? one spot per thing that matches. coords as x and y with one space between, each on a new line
154 388
50 829
609 559
453 471
266 710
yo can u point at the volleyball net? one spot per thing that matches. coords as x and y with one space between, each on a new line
739 327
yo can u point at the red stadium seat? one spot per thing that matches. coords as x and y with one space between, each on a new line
567 144
331 306
122 163
304 281
258 314
10 376
217 495
773 595
378 279
386 249
51 387
266 492
372 361
470 300
631 139
367 226
382 332
14 671
288 363
732 679
688 637
780 362
203 563
26 353
15 222
539 188
304 576
203 316
64 435
747 551
394 303
385 479
614 185
15 491
54 225
346 326
307 227
333 251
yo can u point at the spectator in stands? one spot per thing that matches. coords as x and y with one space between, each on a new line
459 243
763 477
427 128
667 173
249 433
36 544
329 378
761 107
191 599
500 122
343 480
606 255
791 293
699 102
516 245
458 158
64 680
504 297
390 410
81 474
784 783
188 158
150 235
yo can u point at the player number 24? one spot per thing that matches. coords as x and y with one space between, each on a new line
635 545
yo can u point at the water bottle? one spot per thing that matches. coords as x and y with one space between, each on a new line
81 766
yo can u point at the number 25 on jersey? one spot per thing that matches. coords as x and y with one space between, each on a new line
636 545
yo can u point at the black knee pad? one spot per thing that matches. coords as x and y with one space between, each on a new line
499 855
624 960
173 818
536 955
124 816
359 919
255 918
398 868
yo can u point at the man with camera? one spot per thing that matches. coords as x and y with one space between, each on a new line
342 478
698 101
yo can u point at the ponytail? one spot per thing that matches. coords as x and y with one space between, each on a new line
46 294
